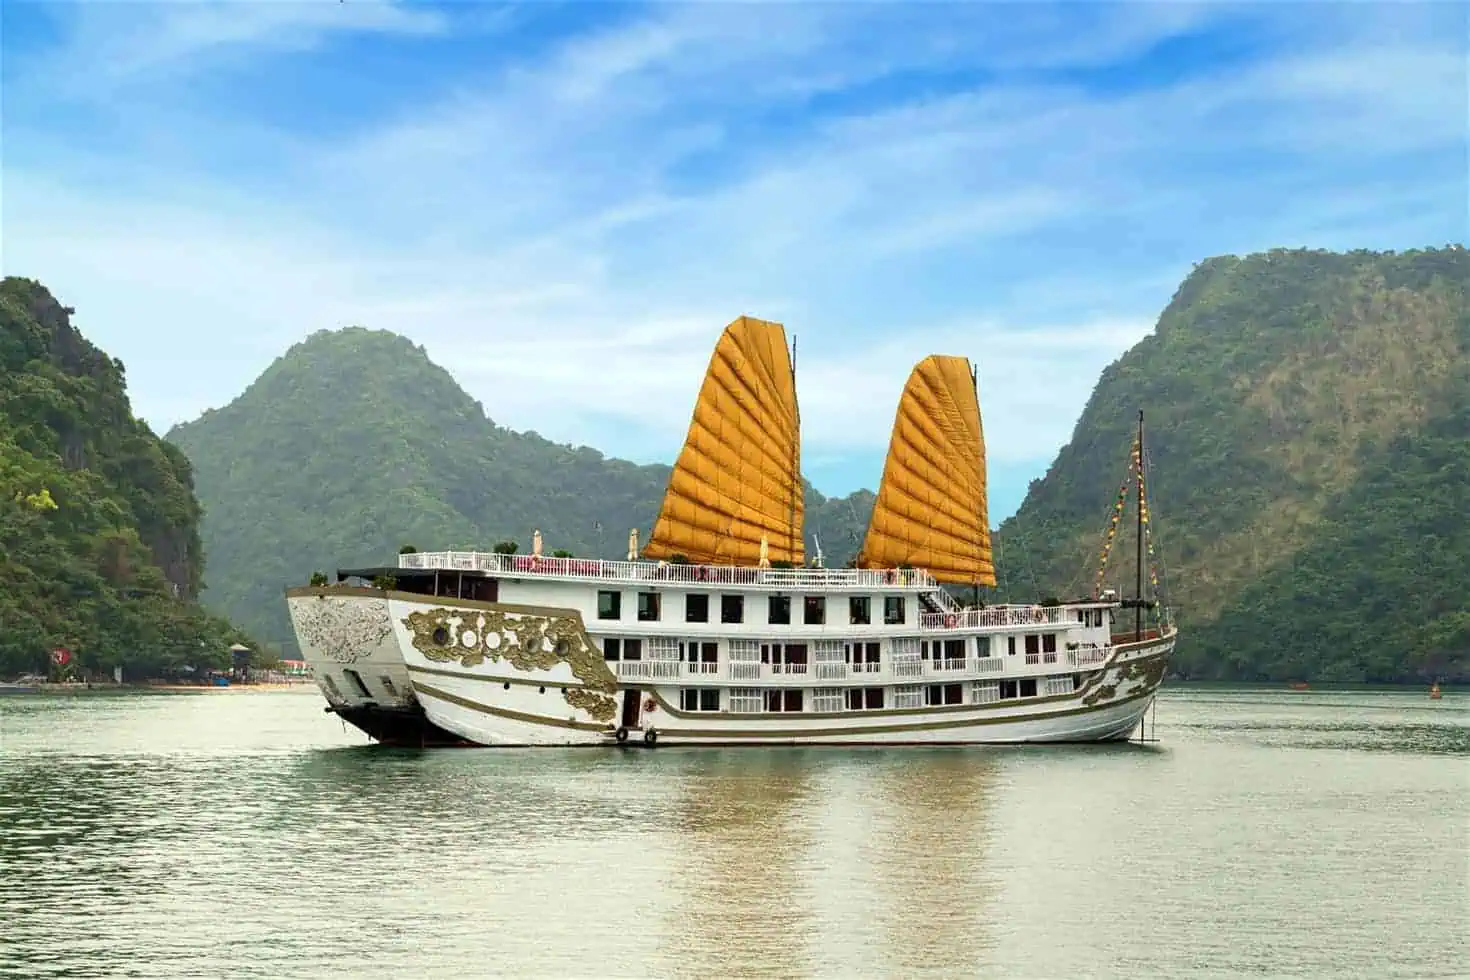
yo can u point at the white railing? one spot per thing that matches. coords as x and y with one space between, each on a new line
1088 654
634 669
660 572
990 665
831 672
867 667
994 617
788 668
704 667
954 663
908 668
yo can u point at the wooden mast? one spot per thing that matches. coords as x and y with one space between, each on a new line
1138 588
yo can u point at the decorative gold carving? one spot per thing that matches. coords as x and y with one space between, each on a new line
342 629
597 705
526 641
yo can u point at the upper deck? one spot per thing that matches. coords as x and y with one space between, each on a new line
590 570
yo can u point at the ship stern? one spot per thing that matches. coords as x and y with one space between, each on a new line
348 642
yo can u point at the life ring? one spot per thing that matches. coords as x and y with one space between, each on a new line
621 734
650 737
950 621
649 704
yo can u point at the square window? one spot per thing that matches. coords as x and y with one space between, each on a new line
609 605
732 608
696 608
612 648
648 607
893 611
779 610
814 611
633 649
709 699
858 610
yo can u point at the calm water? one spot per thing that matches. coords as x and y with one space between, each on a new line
246 835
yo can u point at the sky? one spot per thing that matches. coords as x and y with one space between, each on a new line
565 203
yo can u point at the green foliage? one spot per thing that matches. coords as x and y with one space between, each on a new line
504 548
407 549
318 579
99 541
354 441
1308 432
562 553
385 582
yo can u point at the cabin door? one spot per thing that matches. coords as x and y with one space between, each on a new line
632 706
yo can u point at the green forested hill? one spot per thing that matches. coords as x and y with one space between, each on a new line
354 443
99 539
1309 431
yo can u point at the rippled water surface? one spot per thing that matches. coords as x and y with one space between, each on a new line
1268 833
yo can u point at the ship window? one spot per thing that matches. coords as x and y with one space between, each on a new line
893 610
908 696
609 605
745 699
815 612
1007 690
944 694
1011 645
858 610
827 699
697 652
648 607
1058 685
872 697
1048 643
779 610
732 608
696 608
784 700
1033 643
984 692
1027 687
612 648
633 649
700 699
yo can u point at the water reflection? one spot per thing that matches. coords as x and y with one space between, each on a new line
929 849
738 864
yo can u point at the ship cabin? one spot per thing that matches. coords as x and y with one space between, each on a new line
786 639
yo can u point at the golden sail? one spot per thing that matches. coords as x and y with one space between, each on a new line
738 479
931 510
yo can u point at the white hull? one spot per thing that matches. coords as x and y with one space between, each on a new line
355 657
505 675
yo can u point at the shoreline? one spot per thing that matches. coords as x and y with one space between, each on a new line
306 686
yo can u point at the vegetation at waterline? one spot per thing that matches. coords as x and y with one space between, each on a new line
99 526
1309 430
354 443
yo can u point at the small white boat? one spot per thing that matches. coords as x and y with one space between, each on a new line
720 634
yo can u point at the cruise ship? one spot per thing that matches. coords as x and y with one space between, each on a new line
719 630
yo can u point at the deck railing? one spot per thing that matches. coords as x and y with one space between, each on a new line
994 617
664 573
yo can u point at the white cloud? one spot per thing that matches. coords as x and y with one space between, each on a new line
544 232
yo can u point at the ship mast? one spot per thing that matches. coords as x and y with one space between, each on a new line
1138 590
797 486
975 586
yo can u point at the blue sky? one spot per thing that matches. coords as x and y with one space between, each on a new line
565 203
